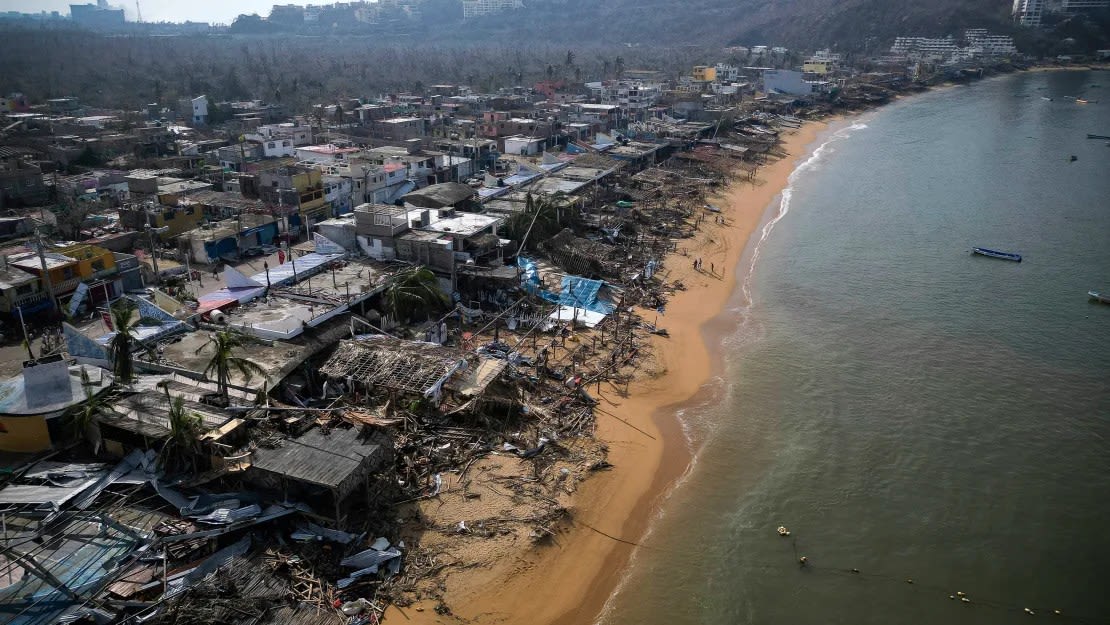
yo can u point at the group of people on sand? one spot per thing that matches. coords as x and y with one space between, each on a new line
700 266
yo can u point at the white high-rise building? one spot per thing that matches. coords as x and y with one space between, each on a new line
982 43
478 8
1071 6
1028 12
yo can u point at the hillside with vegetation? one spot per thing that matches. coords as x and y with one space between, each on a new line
849 24
299 64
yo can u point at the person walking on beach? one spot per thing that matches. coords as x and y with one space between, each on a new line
712 269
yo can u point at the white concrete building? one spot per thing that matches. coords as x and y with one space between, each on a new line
478 8
1028 12
525 146
982 43
200 110
629 95
324 154
727 73
1074 6
925 48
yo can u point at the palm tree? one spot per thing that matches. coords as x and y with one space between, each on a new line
412 290
225 343
121 345
84 422
541 219
185 425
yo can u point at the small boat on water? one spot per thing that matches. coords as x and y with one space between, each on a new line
982 251
1091 136
1082 101
1099 297
1046 98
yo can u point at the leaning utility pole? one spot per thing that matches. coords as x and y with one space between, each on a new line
46 272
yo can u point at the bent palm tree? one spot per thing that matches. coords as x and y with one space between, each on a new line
121 345
184 424
223 361
541 219
84 417
414 290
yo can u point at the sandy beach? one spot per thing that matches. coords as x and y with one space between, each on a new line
570 580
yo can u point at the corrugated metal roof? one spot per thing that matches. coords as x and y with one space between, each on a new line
324 459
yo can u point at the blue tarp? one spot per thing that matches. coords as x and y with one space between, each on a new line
576 291
529 274
583 293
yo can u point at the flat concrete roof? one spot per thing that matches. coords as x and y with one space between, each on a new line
466 224
31 261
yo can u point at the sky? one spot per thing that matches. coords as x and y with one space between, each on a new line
213 11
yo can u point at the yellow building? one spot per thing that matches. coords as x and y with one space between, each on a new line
93 263
24 434
63 270
820 68
299 191
34 404
175 219
704 73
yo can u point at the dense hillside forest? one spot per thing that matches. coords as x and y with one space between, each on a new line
852 24
573 40
849 24
132 71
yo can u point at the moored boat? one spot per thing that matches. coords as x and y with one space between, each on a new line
996 254
1099 297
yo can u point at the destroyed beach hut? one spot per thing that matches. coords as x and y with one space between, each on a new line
327 469
39 583
92 538
396 369
246 591
139 415
581 256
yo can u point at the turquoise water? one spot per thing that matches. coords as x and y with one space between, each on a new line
904 408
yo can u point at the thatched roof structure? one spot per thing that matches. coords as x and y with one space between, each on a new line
394 364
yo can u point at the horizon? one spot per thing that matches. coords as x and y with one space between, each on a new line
211 11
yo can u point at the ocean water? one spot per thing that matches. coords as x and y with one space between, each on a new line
904 408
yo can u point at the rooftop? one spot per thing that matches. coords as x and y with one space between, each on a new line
328 149
31 261
317 457
12 278
466 224
394 364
